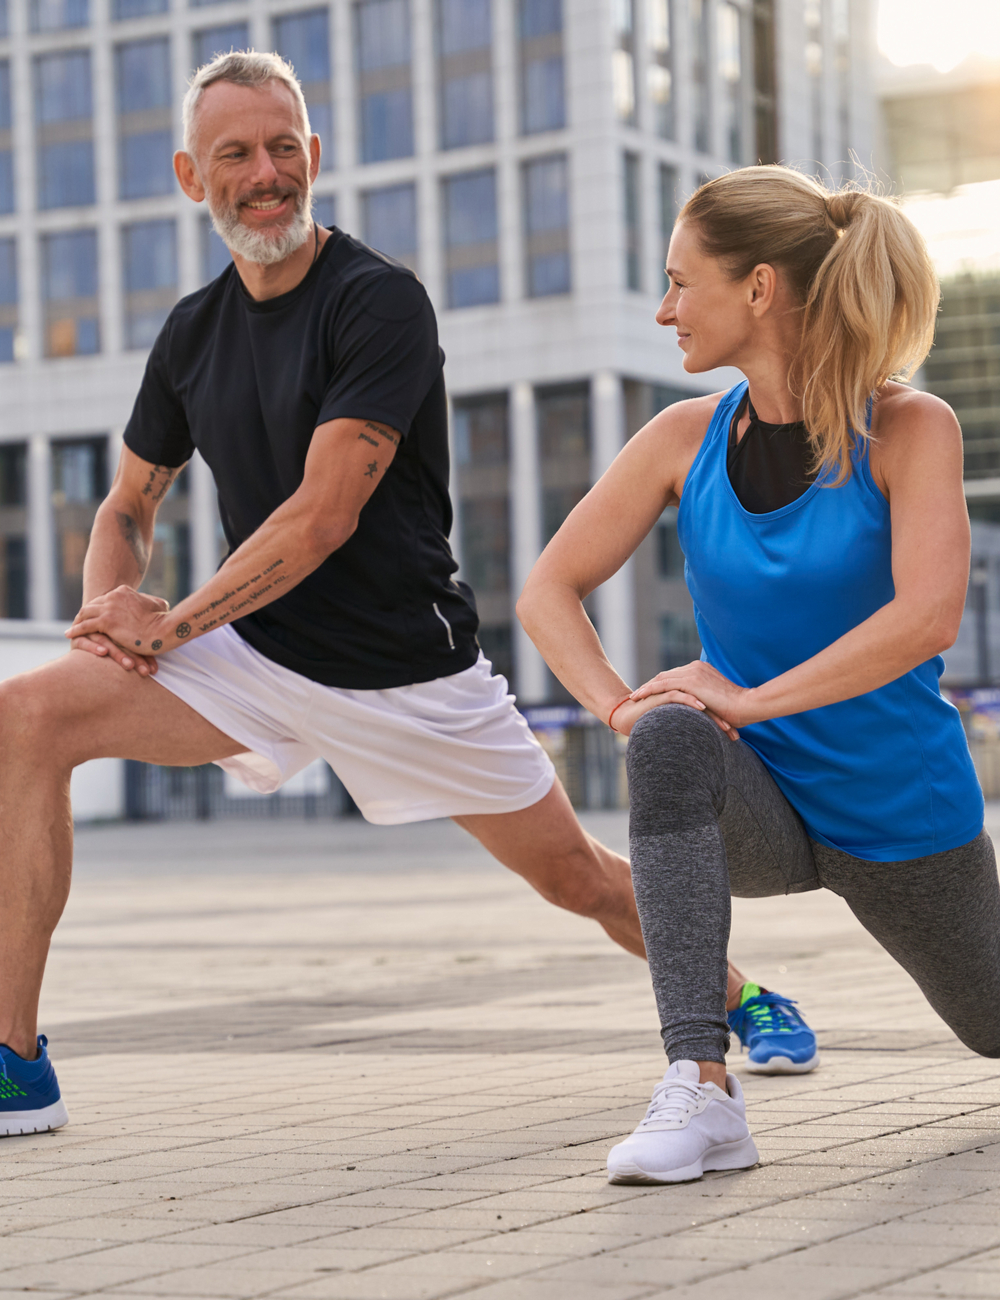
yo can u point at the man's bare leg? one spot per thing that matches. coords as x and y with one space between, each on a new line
52 719
548 847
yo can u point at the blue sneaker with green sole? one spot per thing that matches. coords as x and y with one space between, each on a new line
776 1038
30 1101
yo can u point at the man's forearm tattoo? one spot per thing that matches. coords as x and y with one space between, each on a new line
158 483
130 531
230 603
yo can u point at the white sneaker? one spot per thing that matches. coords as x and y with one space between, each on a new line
689 1127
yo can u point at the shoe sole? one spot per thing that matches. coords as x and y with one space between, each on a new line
15 1123
782 1065
730 1155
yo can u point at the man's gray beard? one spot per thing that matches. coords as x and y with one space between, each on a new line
262 246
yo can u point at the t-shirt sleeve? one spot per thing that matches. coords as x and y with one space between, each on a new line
157 430
386 354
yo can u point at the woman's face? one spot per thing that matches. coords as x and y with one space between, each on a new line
710 312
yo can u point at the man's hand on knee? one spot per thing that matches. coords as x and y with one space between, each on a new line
98 644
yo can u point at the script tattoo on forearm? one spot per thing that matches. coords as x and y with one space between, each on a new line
158 483
130 531
246 594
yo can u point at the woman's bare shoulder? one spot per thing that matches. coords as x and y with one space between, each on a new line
902 411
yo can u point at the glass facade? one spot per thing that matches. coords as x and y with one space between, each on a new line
389 218
470 234
464 40
79 483
482 473
679 641
6 142
729 60
660 70
13 530
623 61
385 109
700 75
543 95
149 278
667 178
765 116
54 15
209 42
214 254
563 422
304 40
8 300
633 221
69 277
546 225
145 134
122 9
325 209
964 367
65 130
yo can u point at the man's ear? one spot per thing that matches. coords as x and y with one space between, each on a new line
187 175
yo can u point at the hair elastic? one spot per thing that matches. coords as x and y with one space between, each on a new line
614 711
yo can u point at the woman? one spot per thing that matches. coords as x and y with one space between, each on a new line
823 521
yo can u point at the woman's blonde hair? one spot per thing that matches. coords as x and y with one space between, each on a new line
861 271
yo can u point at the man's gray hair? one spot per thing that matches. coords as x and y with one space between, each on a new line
242 68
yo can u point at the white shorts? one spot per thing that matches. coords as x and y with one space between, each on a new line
445 748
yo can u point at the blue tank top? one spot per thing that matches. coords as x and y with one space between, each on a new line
885 776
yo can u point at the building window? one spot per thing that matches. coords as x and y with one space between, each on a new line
215 256
325 210
466 75
764 93
699 74
679 641
470 234
623 61
633 222
304 40
668 213
145 138
390 222
65 129
543 98
53 15
13 530
546 226
6 141
8 300
563 418
729 52
482 468
122 9
79 482
4 25
382 40
69 272
661 67
669 556
149 266
209 42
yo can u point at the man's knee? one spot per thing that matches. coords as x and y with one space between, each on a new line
32 719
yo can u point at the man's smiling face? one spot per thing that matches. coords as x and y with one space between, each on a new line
256 161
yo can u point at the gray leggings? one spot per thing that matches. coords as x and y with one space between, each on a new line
707 821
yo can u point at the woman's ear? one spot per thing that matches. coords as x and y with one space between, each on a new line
762 284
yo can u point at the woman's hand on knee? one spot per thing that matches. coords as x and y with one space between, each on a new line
629 713
725 702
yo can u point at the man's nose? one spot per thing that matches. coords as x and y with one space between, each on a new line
262 170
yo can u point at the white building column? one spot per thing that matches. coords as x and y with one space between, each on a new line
526 532
203 515
42 602
615 599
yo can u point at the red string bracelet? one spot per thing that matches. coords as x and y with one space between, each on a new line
614 711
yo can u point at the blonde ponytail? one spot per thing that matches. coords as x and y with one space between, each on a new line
861 271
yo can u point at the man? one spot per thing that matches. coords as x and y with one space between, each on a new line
309 377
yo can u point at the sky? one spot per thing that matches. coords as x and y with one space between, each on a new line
939 32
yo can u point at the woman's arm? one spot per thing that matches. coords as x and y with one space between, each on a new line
917 460
595 541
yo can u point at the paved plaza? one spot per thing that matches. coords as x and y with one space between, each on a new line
334 1061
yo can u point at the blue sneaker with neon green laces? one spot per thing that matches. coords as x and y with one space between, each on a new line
30 1101
776 1038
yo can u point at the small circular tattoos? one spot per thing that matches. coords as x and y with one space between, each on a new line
183 630
157 645
138 643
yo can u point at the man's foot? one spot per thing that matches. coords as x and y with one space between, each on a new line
29 1093
777 1039
689 1127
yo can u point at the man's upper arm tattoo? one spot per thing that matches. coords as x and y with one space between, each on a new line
158 483
383 431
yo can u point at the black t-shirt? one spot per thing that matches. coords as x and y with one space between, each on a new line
246 383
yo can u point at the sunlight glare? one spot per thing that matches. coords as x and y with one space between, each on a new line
927 31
